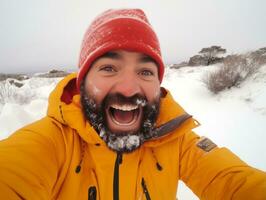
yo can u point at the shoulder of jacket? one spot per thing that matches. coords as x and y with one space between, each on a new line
45 127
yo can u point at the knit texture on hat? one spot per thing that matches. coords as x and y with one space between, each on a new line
126 29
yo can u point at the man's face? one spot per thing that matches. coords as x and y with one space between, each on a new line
125 87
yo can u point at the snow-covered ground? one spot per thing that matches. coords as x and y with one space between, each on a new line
235 118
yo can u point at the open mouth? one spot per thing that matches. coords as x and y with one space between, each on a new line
125 117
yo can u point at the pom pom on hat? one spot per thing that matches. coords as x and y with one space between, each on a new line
126 29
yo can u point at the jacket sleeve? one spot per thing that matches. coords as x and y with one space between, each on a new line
29 162
216 173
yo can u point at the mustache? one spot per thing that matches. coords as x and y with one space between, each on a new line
117 98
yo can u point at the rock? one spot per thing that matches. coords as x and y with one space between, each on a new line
16 83
177 66
19 77
53 74
198 60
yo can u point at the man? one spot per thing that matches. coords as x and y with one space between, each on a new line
111 132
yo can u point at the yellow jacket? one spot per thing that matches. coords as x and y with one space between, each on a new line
62 157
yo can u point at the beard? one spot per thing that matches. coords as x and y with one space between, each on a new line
121 141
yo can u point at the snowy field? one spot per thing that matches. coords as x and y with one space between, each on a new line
235 118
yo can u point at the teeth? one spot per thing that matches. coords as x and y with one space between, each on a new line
124 107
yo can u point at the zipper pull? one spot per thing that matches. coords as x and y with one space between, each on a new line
92 194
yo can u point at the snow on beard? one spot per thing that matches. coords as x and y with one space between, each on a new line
122 141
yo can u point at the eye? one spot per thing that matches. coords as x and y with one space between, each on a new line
146 72
107 68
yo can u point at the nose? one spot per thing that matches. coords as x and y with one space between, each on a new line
128 85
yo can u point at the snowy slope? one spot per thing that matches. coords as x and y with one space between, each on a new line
235 118
14 115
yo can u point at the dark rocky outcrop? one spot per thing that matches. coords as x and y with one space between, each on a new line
19 77
53 74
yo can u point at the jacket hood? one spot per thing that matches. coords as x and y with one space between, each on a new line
64 106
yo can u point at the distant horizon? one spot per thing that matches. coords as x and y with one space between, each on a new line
31 72
71 68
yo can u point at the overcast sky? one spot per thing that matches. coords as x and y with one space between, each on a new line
37 35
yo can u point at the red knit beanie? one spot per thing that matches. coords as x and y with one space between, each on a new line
126 29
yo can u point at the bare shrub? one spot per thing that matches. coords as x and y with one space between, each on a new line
235 69
11 94
258 56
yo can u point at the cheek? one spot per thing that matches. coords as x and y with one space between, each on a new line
153 92
157 92
95 90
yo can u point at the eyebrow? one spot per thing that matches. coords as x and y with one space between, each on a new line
111 54
115 55
147 59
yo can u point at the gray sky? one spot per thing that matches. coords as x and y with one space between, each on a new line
38 35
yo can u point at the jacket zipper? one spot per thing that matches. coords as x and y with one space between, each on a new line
145 189
118 161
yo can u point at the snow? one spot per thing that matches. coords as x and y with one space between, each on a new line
234 118
14 114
